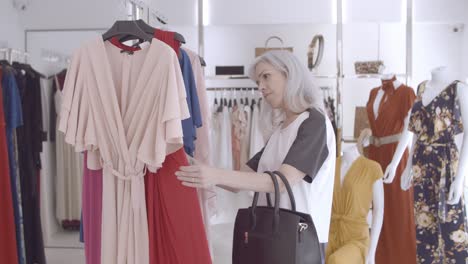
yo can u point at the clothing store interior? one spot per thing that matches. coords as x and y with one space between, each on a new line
342 120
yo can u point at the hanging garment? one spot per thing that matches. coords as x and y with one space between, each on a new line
105 91
92 211
397 241
190 124
8 240
68 179
349 232
30 137
441 232
236 130
256 136
308 144
177 231
203 142
207 197
14 119
246 122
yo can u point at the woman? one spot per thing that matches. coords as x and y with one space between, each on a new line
301 146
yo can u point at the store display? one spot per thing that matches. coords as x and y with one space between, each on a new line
440 225
311 63
349 240
368 67
387 108
260 51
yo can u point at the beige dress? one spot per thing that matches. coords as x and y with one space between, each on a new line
68 180
126 110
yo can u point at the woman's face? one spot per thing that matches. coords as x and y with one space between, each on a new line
271 83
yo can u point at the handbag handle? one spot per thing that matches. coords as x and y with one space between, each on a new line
288 189
276 208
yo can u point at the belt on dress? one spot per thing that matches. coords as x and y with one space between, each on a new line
348 219
136 178
431 144
379 141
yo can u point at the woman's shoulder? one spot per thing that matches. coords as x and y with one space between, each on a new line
314 121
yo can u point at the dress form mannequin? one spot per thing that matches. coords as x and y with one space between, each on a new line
381 93
350 155
439 81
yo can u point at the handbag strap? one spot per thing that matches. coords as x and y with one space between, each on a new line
276 208
288 189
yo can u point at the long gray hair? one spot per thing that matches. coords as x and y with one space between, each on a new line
300 94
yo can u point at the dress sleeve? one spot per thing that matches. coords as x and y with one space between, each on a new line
76 121
407 102
410 99
309 150
377 172
253 162
164 134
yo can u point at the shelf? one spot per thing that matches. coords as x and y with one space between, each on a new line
370 76
325 76
226 77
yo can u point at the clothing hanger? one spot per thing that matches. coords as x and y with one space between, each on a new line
150 30
28 68
202 61
5 62
126 27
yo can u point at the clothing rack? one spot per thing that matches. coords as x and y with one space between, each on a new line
232 89
9 52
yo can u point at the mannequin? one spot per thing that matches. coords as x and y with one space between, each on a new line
435 120
337 253
350 155
387 109
439 81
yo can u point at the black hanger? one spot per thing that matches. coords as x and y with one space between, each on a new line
246 101
127 27
150 31
202 61
242 101
5 62
225 102
216 101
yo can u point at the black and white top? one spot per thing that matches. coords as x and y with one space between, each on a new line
308 144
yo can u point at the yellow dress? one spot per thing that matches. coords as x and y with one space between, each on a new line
349 232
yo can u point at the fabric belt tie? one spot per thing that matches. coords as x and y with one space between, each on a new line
379 141
137 182
348 219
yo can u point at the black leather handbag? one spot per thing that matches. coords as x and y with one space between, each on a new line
271 235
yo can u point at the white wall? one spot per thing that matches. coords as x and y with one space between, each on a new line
222 12
11 29
235 44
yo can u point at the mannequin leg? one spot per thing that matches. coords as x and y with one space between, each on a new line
347 254
454 234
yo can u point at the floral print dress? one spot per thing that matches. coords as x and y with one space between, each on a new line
440 228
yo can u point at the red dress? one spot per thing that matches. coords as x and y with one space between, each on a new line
176 230
8 249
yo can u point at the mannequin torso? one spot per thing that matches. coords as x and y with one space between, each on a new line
440 80
350 155
380 94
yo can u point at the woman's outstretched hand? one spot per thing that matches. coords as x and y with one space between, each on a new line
198 175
